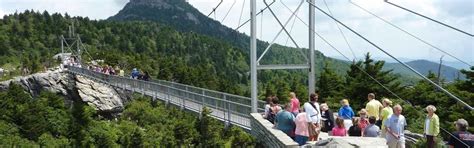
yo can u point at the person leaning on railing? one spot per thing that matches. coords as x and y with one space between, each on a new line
285 121
295 104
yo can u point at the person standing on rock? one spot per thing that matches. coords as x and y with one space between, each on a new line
386 112
364 120
339 129
431 126
355 129
328 119
295 104
301 131
346 113
372 130
373 107
395 126
461 138
313 116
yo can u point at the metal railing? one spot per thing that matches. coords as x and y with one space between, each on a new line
230 108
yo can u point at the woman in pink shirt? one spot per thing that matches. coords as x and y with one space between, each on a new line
301 131
295 104
339 130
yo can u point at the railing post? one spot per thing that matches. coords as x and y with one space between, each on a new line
228 111
142 87
155 91
168 95
202 103
183 106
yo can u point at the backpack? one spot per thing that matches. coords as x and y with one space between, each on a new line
271 116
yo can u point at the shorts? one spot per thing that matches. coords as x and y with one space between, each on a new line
347 124
313 131
301 140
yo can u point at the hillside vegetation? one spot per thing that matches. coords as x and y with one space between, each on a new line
47 122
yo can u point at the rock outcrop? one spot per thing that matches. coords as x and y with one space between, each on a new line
103 98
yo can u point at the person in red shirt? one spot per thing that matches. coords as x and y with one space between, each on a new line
295 104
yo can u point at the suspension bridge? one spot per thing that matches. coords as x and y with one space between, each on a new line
236 110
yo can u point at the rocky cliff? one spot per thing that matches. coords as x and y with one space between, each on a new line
104 98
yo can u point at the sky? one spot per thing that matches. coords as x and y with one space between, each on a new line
457 13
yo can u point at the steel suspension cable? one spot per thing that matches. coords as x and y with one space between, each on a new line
256 15
225 16
261 25
410 34
431 19
378 82
292 25
396 59
279 32
340 31
241 12
358 67
214 9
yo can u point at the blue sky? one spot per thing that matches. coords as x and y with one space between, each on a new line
458 13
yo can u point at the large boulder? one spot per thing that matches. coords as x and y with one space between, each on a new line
102 97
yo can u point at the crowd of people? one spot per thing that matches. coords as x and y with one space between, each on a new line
109 70
377 119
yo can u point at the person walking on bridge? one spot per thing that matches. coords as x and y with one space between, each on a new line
295 104
134 74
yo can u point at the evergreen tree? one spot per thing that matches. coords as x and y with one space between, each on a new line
358 84
330 85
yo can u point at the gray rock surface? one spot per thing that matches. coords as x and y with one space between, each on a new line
101 97
98 95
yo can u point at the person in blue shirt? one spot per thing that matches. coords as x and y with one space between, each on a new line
285 121
135 73
346 112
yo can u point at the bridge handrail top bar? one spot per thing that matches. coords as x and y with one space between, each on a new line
205 89
174 88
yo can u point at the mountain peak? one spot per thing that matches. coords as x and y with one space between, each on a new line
153 3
